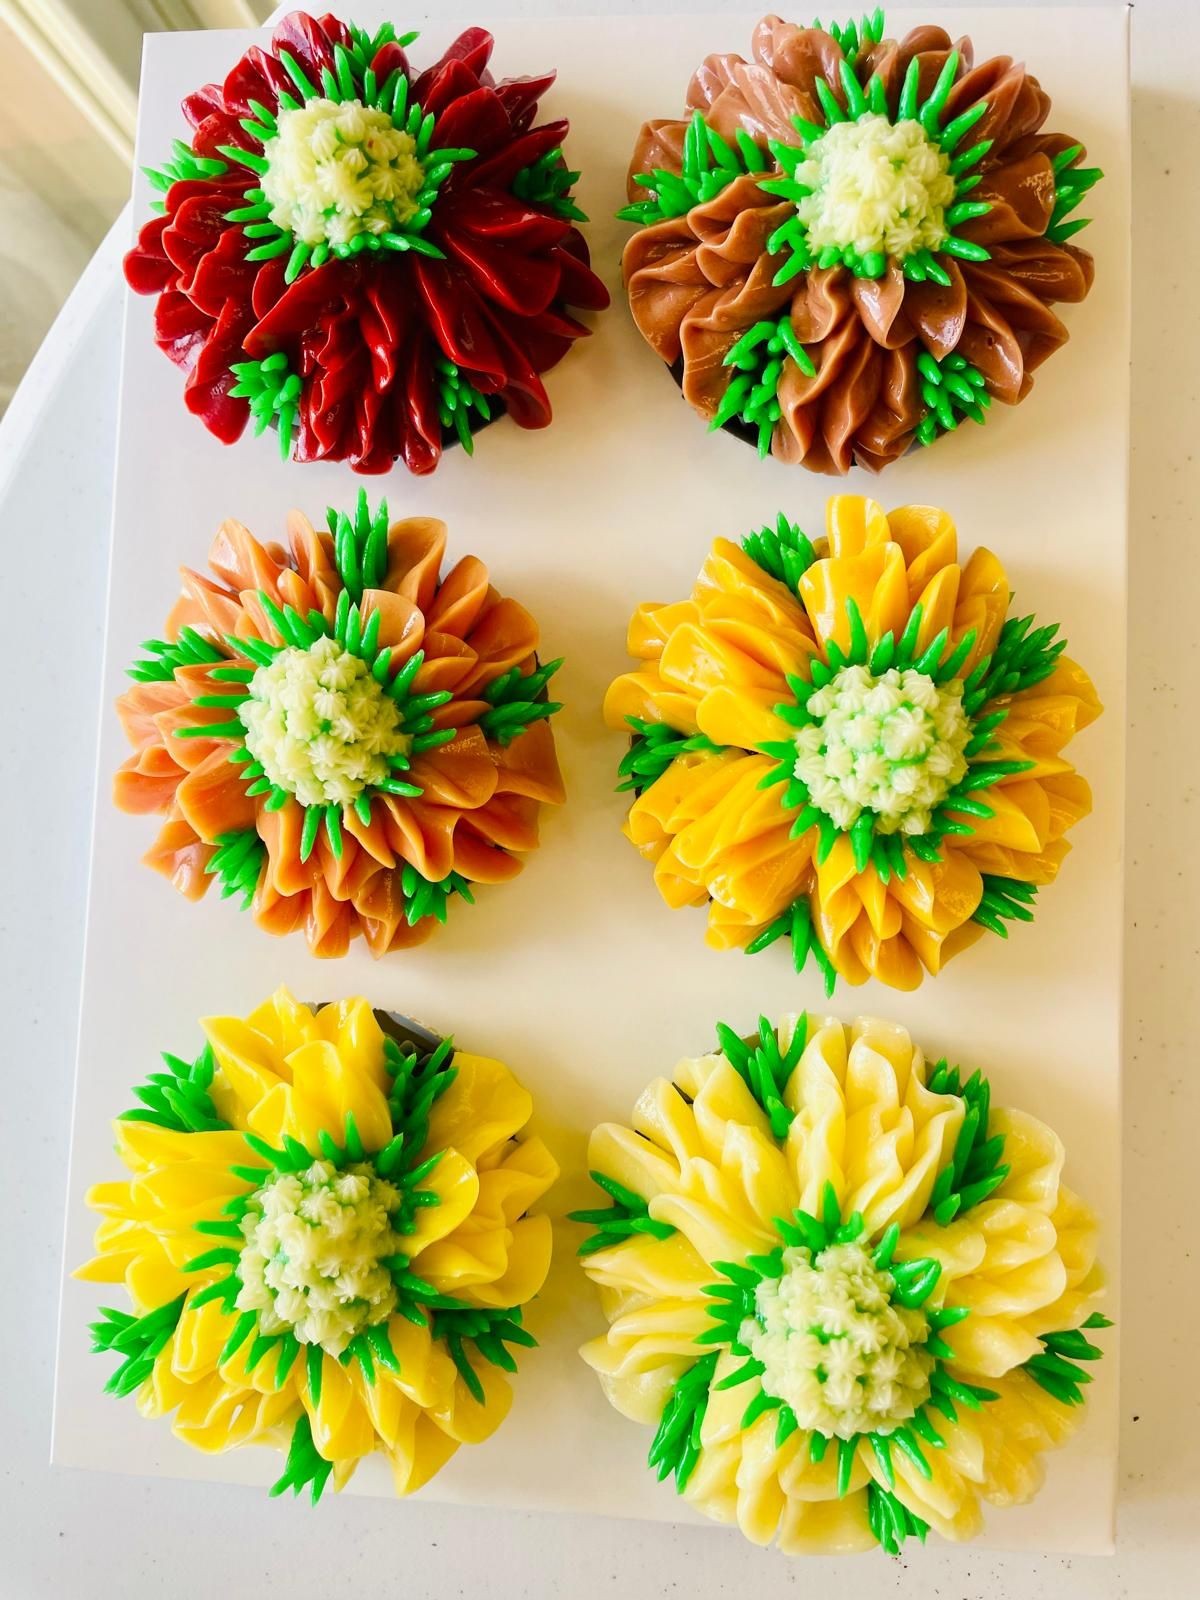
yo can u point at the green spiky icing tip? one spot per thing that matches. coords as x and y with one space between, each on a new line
277 1326
1024 656
322 717
891 1389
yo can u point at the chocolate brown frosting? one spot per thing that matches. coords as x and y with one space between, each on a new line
696 282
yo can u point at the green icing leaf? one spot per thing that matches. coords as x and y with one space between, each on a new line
628 1215
419 1078
179 1098
1057 1369
139 1340
1071 183
890 1521
653 748
676 1445
765 1068
237 863
709 164
185 167
784 551
975 1168
517 700
758 358
1022 658
424 899
190 649
273 392
457 399
951 390
306 1468
360 546
489 1331
853 37
796 926
548 183
1004 900
366 46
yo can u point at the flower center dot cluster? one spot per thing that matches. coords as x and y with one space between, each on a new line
877 187
892 745
339 169
313 1258
835 1348
320 725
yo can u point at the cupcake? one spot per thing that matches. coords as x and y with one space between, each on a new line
326 1242
371 258
852 1297
849 746
849 244
341 735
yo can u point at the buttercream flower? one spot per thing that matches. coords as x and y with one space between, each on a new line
326 1242
851 745
372 259
340 732
851 243
850 1294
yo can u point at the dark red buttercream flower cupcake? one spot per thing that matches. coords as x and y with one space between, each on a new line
374 260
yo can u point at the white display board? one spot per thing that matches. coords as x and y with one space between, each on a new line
576 974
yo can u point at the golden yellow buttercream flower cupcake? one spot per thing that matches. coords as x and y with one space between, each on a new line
326 1241
848 743
850 1295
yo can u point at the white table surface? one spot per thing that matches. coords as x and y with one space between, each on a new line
82 1535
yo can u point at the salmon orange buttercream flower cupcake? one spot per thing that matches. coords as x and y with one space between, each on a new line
340 732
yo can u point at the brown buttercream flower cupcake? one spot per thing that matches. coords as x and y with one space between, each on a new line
850 243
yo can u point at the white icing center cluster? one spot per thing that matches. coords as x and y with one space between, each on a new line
320 725
892 745
835 1348
312 1262
877 186
338 169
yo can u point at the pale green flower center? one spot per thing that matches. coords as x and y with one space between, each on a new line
319 724
834 1346
313 1260
877 187
892 745
336 169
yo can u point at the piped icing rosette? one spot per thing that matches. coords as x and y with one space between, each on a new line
850 243
852 1297
326 1241
849 744
373 259
339 732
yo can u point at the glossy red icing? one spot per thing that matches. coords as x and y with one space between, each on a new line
364 333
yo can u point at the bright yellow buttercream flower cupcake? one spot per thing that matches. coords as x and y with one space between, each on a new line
848 743
849 1294
326 1242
